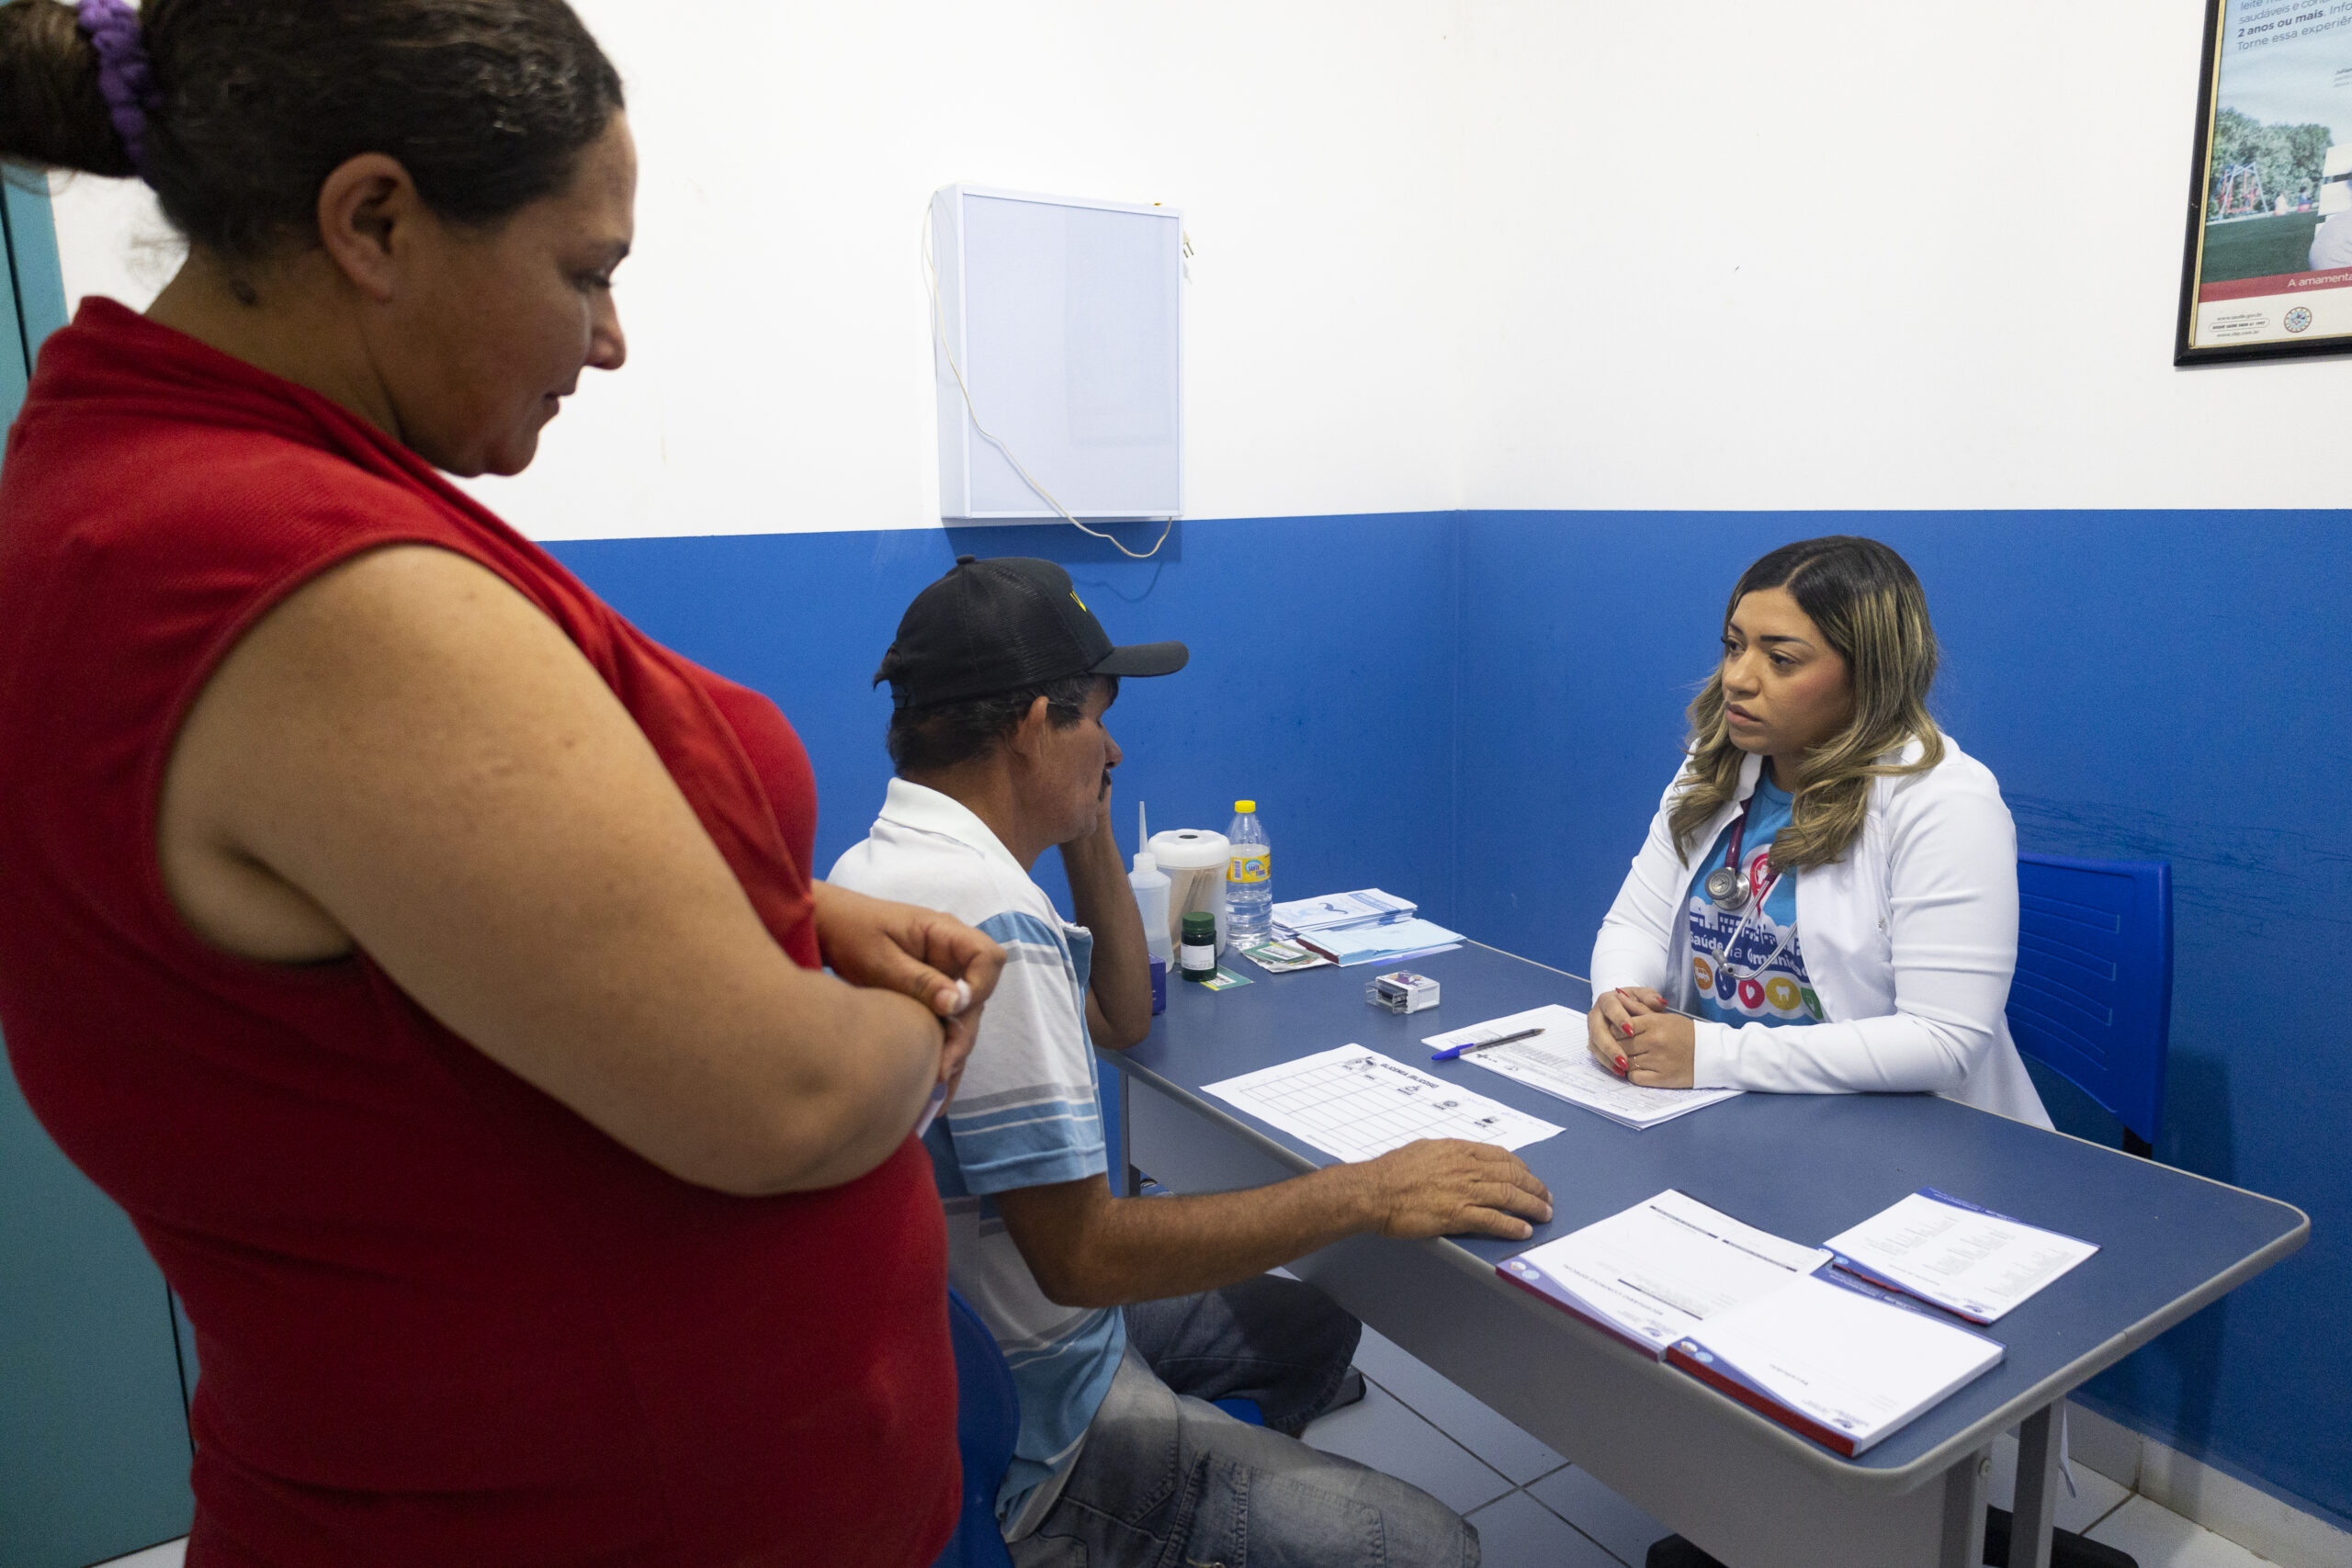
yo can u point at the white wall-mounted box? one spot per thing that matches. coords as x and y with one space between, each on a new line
1063 315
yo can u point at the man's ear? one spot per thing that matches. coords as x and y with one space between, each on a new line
367 207
1028 736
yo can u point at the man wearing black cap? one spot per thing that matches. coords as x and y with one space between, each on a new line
999 680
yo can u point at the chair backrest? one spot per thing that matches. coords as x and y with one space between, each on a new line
2092 999
988 1420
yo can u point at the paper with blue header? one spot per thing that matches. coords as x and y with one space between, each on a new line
1966 1259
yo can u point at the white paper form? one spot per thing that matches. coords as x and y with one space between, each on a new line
1661 1268
1356 1104
1558 1062
1848 1367
1963 1258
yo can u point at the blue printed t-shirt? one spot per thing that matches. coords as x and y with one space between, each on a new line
1779 992
1027 1114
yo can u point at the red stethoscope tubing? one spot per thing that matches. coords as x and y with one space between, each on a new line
1757 888
1760 892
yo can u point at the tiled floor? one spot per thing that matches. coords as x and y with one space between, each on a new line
167 1555
1535 1510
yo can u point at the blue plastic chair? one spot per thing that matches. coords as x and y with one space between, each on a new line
988 1420
2092 999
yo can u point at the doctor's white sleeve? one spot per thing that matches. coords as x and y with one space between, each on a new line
1953 932
1638 935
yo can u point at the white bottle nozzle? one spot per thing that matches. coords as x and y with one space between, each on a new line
1143 830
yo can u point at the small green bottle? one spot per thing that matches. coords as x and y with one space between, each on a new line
1197 956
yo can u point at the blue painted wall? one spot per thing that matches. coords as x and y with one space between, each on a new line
1478 710
1320 684
2158 685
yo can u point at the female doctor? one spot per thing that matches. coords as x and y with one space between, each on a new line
1829 893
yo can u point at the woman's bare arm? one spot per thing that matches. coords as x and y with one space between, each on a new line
407 756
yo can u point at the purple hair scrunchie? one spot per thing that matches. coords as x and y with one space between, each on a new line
126 77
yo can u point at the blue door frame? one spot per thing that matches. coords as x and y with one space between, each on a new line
94 1438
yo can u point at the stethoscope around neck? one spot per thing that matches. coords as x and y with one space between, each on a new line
1733 893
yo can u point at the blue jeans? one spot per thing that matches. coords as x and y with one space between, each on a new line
1168 1481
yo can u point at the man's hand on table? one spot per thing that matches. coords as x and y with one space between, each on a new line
1448 1187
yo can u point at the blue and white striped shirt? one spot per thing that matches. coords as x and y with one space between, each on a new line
1026 1115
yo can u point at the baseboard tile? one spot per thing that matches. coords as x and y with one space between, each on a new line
2109 1447
2253 1519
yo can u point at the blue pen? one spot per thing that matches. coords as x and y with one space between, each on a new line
1451 1052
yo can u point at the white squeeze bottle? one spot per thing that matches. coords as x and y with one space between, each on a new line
1249 877
1151 886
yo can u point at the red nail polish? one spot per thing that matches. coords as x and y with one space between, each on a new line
1621 1067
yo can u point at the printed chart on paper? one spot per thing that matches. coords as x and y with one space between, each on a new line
1356 1104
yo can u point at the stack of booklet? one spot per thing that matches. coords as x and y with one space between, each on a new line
1333 912
1364 926
1764 1320
1382 943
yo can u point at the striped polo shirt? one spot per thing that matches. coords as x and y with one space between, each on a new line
1026 1115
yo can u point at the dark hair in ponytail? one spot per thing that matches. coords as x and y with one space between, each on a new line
487 104
52 113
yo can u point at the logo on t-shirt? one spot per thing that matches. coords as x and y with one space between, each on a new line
1765 981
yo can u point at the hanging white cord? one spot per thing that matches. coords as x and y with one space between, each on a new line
939 336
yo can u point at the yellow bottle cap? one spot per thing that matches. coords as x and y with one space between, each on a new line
1245 806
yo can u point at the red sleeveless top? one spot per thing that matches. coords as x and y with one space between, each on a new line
440 1318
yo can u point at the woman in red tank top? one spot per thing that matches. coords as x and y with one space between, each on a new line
426 959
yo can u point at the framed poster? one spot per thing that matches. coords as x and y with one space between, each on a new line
2268 271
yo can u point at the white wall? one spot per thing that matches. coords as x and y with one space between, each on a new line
1482 253
1852 255
780 374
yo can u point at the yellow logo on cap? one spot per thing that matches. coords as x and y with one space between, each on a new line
1079 602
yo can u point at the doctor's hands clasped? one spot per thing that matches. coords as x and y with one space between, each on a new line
1631 1032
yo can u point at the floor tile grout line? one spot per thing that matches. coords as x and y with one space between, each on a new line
1515 1486
1475 1456
1574 1526
1474 1453
1553 1512
2112 1511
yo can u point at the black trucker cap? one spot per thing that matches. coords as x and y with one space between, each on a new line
997 626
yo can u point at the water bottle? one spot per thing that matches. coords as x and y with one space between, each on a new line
1248 878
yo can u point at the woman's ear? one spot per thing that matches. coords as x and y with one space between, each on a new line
369 213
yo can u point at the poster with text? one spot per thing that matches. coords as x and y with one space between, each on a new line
2269 263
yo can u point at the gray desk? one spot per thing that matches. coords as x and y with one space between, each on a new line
1750 1491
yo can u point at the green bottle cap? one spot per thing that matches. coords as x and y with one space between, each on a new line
1200 926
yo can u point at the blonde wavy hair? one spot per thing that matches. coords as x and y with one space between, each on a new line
1869 606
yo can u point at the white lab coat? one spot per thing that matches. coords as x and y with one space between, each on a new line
1910 941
